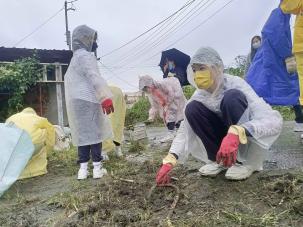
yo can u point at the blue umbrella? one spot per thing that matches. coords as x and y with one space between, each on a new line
16 149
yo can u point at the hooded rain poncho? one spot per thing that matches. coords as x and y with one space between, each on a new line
85 89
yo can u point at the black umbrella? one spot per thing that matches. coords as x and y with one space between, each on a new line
181 61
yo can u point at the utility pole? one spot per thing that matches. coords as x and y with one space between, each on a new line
67 32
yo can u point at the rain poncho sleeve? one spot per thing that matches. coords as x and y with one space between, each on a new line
263 121
178 145
154 108
295 7
89 69
292 6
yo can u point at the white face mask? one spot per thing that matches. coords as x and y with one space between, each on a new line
256 45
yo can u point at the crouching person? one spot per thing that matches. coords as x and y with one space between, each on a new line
226 124
167 99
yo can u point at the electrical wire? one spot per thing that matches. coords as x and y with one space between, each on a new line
185 20
38 28
154 34
184 36
147 31
114 74
188 33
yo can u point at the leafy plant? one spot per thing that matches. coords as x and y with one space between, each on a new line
188 91
138 112
15 79
238 66
286 112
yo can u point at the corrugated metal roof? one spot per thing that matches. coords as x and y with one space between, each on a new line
44 56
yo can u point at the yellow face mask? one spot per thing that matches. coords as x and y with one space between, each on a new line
203 79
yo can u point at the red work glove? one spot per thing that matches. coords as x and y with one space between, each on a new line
162 177
227 153
107 106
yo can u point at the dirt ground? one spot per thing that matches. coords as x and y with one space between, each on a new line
269 198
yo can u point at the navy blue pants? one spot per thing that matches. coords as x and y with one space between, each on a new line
298 113
94 150
173 125
211 128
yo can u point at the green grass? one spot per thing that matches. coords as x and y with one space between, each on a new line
286 112
138 112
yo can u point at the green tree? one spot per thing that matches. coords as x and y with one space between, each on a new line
188 91
237 68
15 79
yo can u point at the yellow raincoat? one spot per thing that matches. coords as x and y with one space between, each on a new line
117 119
43 137
296 7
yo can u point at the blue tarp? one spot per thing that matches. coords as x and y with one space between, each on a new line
16 149
267 74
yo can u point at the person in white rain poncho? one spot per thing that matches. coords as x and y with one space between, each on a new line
226 124
167 99
88 100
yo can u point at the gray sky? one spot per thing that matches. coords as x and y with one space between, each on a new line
118 21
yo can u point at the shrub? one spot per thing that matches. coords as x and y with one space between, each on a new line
15 80
287 112
138 112
188 91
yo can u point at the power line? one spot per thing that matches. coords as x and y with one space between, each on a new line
184 36
38 28
182 22
192 30
172 30
114 74
155 33
142 34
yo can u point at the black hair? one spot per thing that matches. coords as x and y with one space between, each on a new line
253 51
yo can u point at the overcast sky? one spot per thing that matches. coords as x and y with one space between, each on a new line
117 21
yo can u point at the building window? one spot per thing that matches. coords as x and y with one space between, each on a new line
51 73
64 69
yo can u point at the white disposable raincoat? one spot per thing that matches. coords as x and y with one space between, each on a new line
259 119
171 92
85 89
